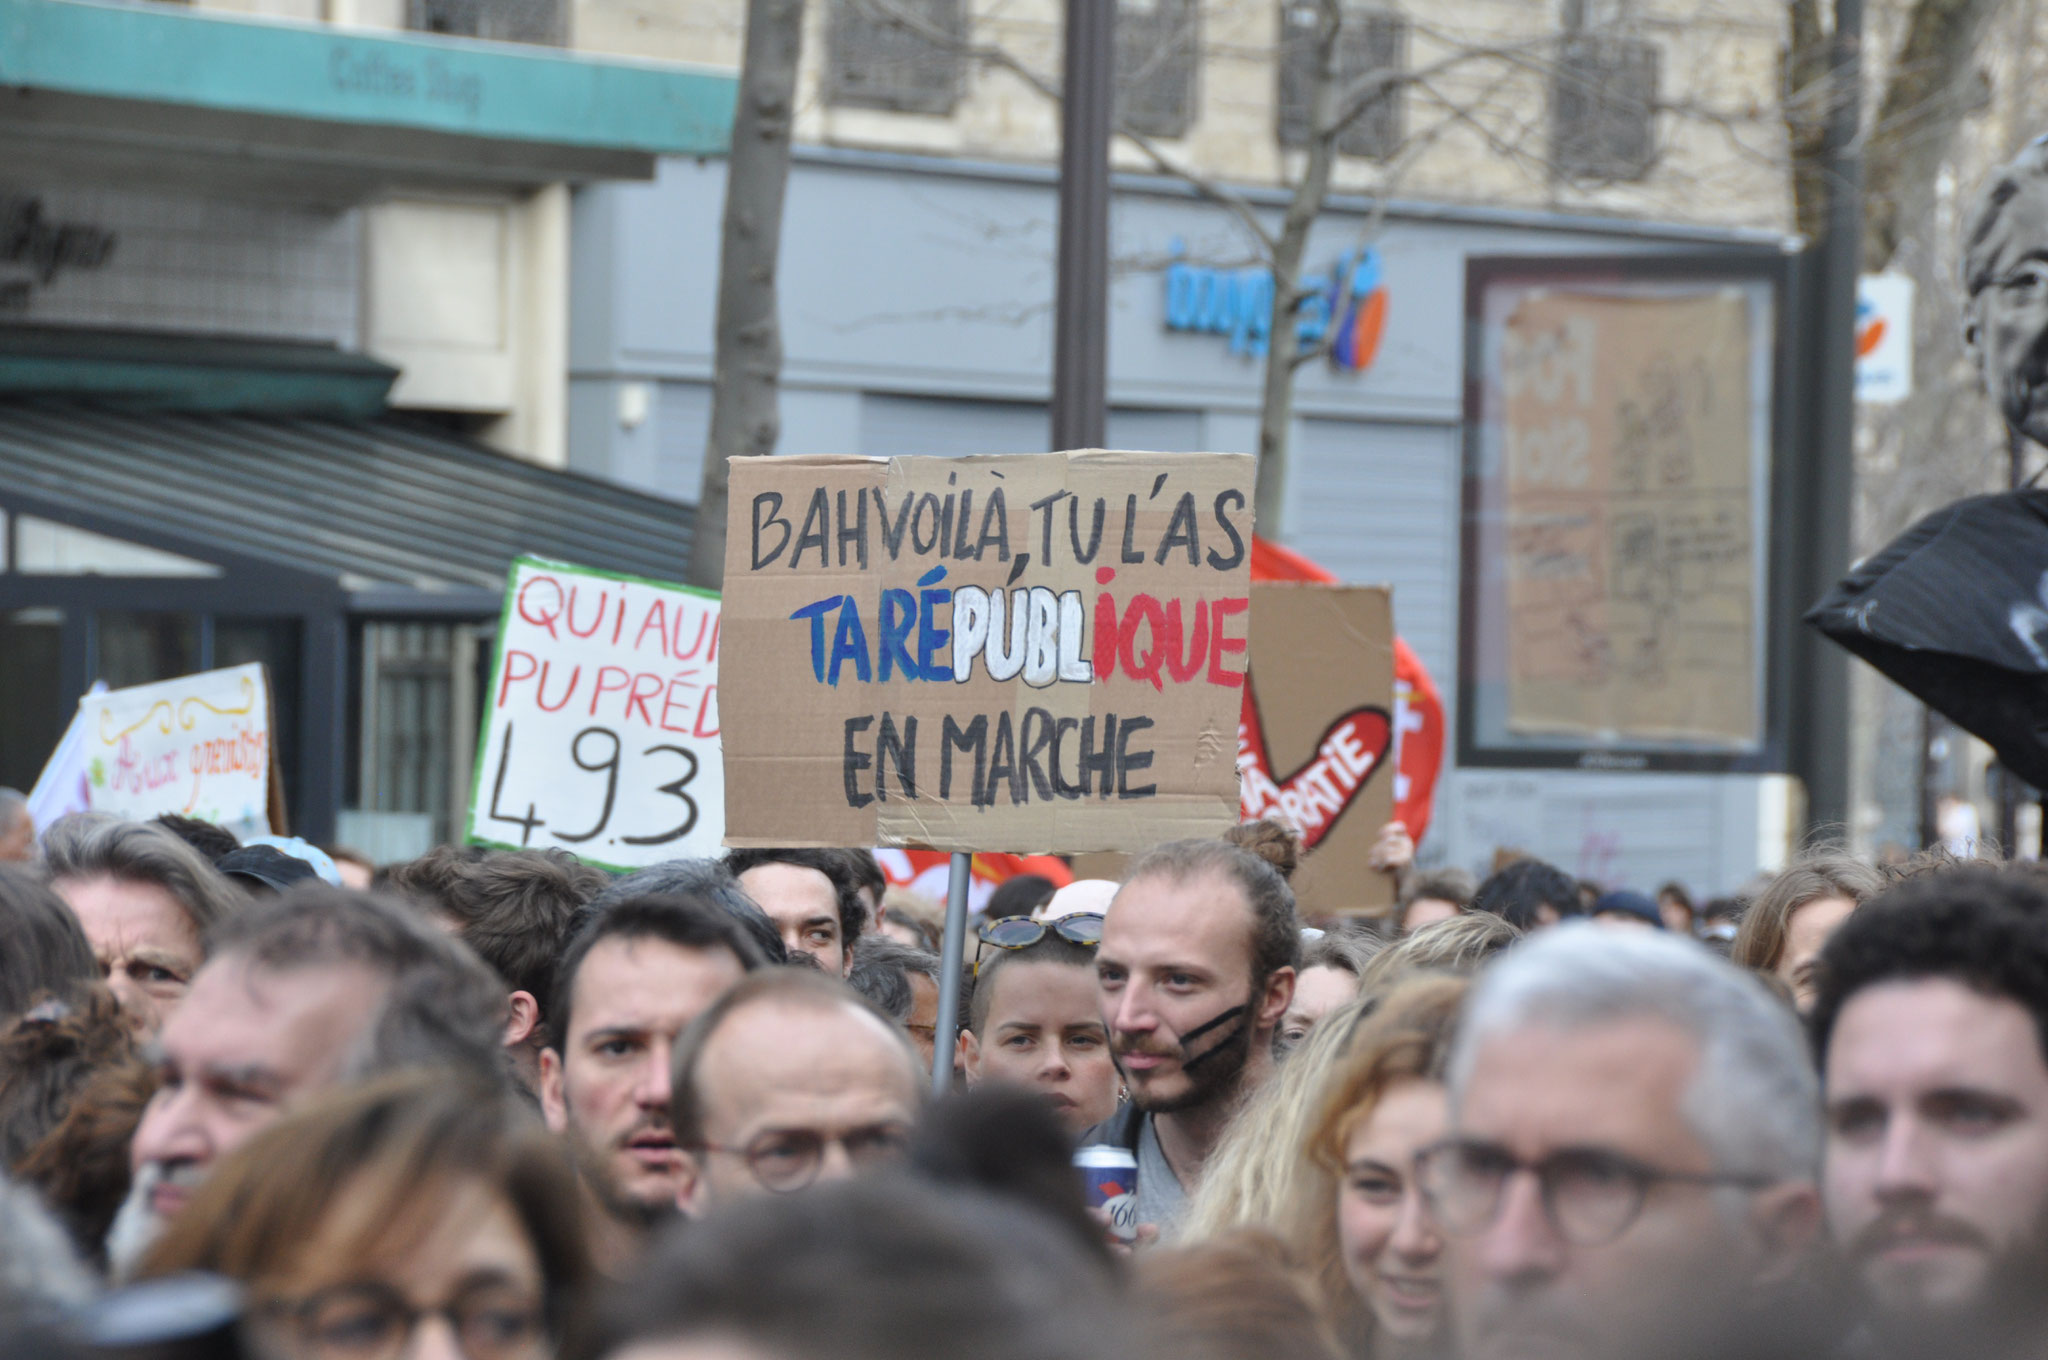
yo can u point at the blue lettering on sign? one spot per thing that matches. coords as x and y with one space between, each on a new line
1238 303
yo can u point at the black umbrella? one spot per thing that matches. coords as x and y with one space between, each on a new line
1955 610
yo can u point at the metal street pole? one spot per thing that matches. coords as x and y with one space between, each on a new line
1820 727
952 952
1080 346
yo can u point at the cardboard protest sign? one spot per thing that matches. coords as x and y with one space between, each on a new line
198 746
600 735
1317 734
1039 652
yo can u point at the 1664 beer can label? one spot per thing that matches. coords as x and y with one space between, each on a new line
1110 1176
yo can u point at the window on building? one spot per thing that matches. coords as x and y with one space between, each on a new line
415 734
1158 65
902 55
31 676
1372 42
528 21
1603 99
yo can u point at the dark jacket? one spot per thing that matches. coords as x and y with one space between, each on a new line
1121 1129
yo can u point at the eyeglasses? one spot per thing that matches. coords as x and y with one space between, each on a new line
373 1321
1021 932
1590 1196
786 1160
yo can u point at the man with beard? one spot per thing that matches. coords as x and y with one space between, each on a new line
1931 1024
1635 1136
1195 969
630 981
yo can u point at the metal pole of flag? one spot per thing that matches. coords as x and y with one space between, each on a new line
951 952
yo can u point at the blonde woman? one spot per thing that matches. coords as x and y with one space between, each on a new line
1376 1249
1339 1199
1243 1184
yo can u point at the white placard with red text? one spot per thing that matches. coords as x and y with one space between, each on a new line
600 732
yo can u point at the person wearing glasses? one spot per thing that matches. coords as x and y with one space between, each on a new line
789 1079
1633 1155
1033 1020
1195 970
1930 1023
418 1216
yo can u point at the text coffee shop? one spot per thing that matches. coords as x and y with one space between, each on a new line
282 322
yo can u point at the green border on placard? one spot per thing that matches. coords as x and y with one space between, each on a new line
469 836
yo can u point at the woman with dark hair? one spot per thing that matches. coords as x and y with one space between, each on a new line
47 955
419 1201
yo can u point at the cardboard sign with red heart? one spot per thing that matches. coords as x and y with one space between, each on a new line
1316 735
1315 797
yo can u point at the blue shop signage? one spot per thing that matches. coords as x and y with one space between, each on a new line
1238 305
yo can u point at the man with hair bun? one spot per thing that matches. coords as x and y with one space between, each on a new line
1195 971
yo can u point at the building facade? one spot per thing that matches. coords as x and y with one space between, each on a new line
916 314
283 330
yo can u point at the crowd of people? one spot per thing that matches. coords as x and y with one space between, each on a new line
272 1101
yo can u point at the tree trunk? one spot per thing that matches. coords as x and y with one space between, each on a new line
1276 408
1923 102
1926 99
747 370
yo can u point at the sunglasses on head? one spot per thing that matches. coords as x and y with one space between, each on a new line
1021 932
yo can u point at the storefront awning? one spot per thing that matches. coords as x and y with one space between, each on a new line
132 92
403 519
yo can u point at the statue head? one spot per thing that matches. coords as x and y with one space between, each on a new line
2005 273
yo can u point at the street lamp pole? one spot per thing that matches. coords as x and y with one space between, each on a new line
1080 350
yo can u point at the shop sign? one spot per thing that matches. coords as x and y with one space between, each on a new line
1884 337
1238 305
1037 652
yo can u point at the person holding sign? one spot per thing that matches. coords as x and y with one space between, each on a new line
1195 970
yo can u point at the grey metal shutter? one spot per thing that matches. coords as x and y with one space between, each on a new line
901 55
1158 65
1377 503
893 425
1371 41
527 21
1155 430
682 427
1603 104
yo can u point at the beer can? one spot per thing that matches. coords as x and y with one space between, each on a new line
1109 1174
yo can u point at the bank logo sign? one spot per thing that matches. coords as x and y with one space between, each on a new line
1238 305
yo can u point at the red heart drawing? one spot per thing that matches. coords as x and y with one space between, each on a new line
1314 797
